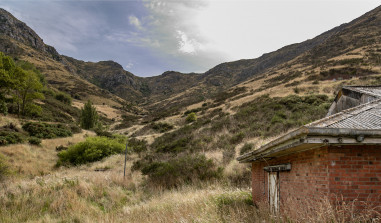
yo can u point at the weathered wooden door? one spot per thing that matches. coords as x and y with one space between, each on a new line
274 191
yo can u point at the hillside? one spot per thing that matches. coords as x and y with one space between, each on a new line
334 52
21 42
184 131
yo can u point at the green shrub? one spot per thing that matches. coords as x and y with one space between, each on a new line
93 149
57 111
195 110
191 117
7 137
100 132
75 129
63 97
137 146
176 146
181 170
4 168
161 126
47 131
3 108
34 140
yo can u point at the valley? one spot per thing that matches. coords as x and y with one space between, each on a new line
184 131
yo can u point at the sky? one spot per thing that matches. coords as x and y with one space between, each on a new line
149 37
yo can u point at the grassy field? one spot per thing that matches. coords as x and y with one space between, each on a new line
98 192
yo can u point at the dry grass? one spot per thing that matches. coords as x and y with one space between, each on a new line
98 192
30 160
334 209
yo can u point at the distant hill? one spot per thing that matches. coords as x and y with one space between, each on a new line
337 53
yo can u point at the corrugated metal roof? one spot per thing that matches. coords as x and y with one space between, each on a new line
365 116
364 119
370 90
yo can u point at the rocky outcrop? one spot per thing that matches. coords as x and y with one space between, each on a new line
14 28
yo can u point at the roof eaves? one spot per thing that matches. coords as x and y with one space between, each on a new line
296 137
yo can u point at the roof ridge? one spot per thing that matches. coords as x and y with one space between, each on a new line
345 113
355 88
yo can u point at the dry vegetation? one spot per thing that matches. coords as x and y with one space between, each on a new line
228 121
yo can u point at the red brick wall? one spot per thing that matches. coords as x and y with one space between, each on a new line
353 172
307 178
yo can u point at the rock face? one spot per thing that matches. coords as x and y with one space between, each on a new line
12 27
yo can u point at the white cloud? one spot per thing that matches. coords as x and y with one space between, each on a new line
186 45
129 65
135 22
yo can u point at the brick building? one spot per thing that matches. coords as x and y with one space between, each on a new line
337 156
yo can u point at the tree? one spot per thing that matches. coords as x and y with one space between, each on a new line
89 116
27 88
7 68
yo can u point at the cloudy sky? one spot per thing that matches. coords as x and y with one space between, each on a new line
148 37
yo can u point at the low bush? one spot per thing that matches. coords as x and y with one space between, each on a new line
75 129
47 131
195 110
58 111
91 150
137 146
161 126
7 137
177 146
191 117
34 140
100 132
181 170
65 98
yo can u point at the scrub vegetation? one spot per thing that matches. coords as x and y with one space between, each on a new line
65 123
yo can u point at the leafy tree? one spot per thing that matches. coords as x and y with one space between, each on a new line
7 68
89 116
27 88
23 82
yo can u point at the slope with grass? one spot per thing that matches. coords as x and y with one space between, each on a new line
196 125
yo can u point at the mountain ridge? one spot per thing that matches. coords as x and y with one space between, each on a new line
174 89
